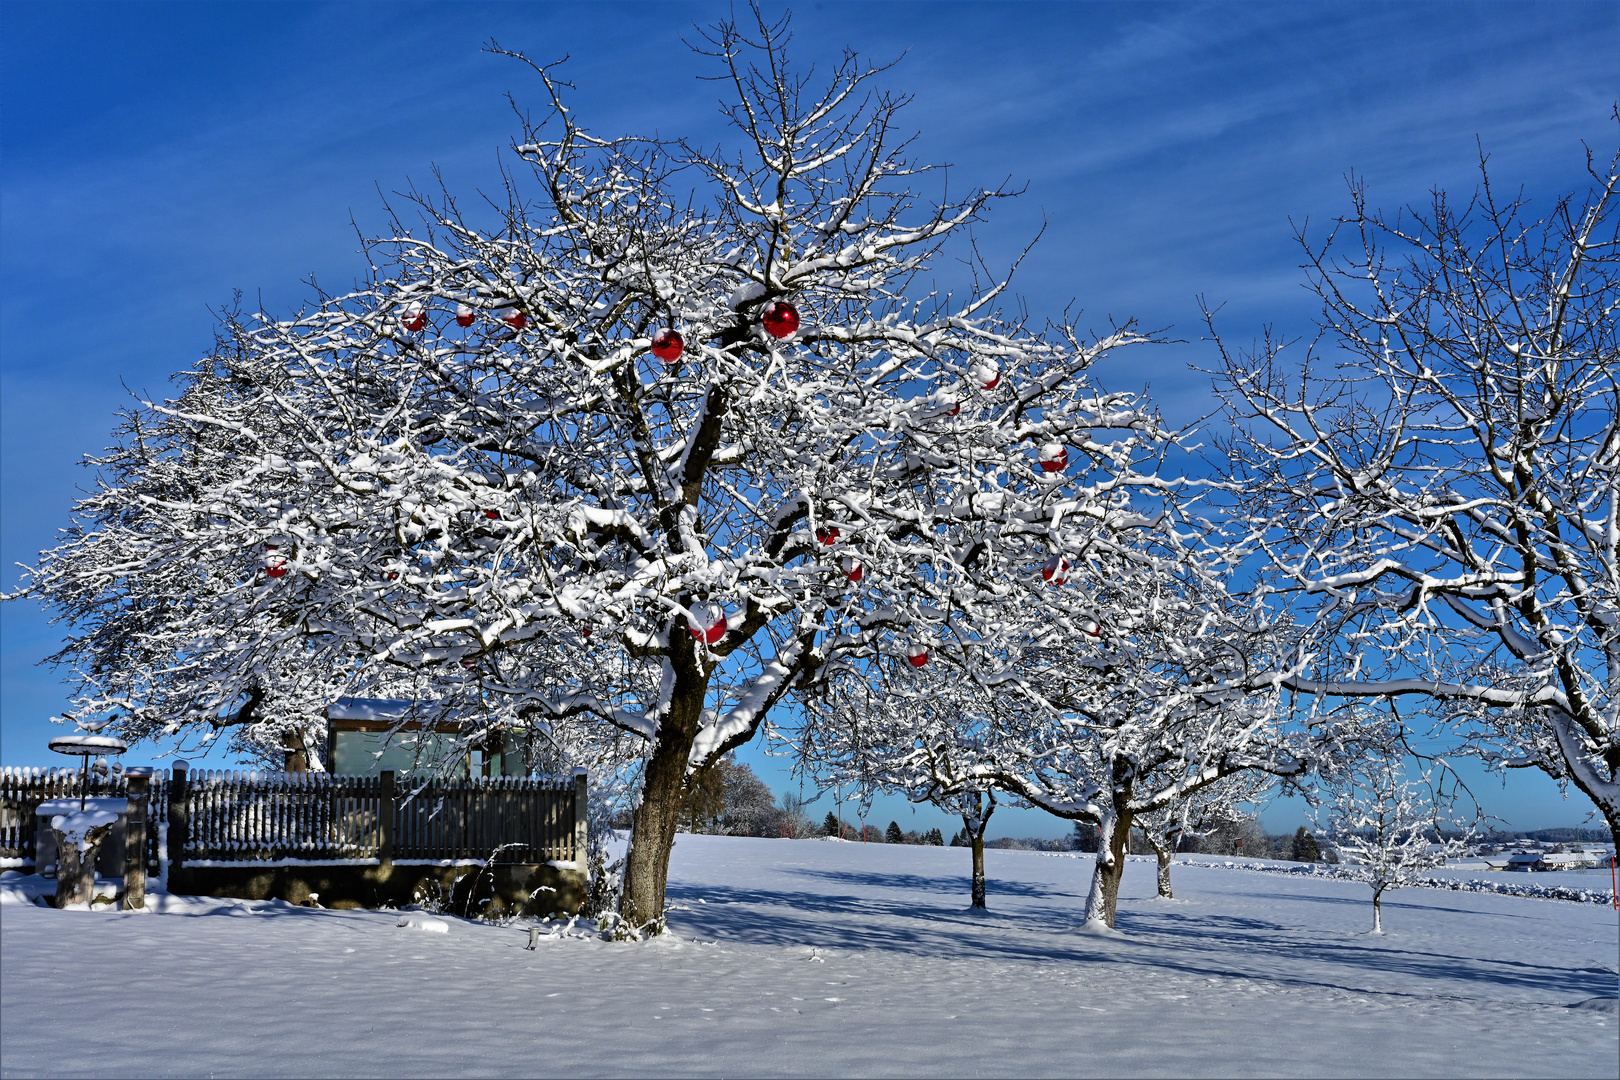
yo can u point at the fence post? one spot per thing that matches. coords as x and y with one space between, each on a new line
385 818
179 818
139 780
580 834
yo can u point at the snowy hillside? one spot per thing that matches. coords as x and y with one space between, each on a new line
827 958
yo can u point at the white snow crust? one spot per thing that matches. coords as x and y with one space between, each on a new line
799 958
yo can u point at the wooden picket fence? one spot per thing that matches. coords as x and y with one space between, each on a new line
23 789
243 817
250 816
531 816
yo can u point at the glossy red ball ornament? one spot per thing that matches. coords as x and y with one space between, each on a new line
668 345
493 515
780 319
585 630
989 376
917 655
465 315
827 534
707 624
1054 457
275 564
469 663
1091 627
853 569
413 318
1056 570
514 318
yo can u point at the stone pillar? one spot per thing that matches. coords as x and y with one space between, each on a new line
139 780
581 835
179 818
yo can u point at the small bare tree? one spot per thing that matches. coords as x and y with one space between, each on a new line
1393 824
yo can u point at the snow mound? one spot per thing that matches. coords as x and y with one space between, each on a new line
415 921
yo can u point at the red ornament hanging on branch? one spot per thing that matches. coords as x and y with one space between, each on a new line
414 317
988 375
668 345
917 655
275 564
465 315
827 534
1054 457
514 317
1056 570
493 515
1091 627
707 623
853 570
780 319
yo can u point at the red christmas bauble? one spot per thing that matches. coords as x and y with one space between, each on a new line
827 534
989 376
465 315
1091 626
853 569
1054 457
275 565
668 345
707 623
780 319
917 656
1056 570
514 318
493 515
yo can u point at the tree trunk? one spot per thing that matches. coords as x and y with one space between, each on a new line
1378 911
1104 898
75 869
657 816
978 870
1163 848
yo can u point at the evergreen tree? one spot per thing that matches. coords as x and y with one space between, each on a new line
1305 848
935 837
893 835
830 827
961 839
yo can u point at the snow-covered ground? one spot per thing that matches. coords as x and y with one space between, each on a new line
826 958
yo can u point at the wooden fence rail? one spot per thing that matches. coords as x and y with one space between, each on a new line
234 817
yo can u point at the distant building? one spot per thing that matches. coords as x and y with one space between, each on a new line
359 743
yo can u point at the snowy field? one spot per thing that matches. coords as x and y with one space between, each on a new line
824 958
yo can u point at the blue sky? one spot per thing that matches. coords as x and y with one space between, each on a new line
156 157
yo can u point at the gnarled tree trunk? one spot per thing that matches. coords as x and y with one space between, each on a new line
656 817
1104 897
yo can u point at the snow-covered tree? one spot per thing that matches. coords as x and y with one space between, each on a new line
635 461
1130 682
1440 474
1391 823
1201 812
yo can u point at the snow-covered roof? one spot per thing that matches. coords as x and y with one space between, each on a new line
71 806
351 708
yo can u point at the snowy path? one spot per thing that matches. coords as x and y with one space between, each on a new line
1244 975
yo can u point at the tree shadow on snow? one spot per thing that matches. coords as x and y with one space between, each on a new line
1204 945
951 884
